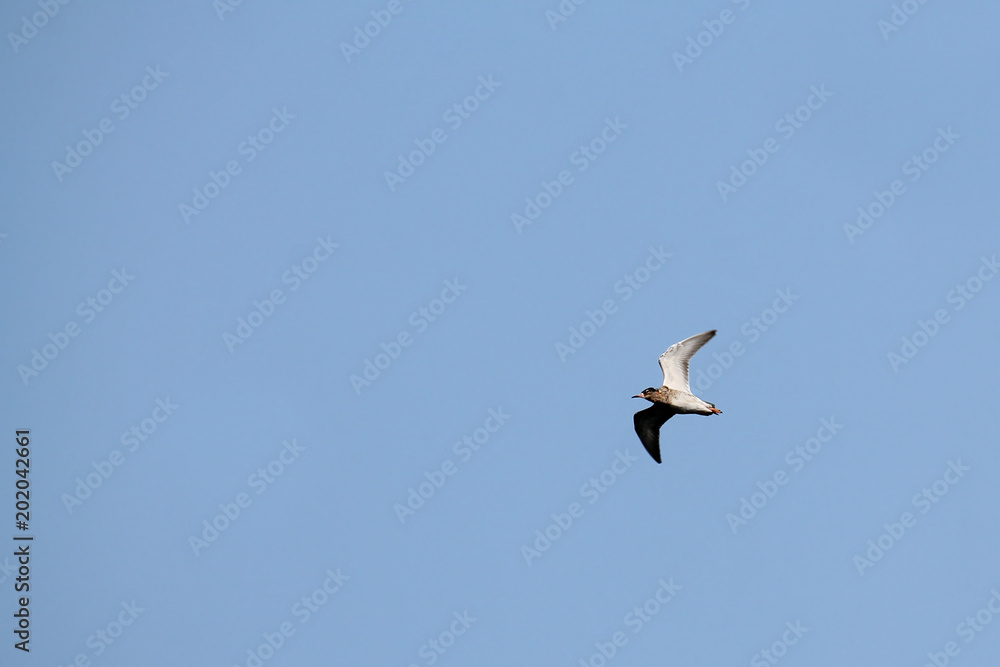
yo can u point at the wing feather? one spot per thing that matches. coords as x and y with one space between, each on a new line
674 362
647 427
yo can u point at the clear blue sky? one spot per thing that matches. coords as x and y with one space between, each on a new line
374 306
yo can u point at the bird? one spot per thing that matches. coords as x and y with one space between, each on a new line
674 397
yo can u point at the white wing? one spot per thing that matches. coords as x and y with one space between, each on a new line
675 360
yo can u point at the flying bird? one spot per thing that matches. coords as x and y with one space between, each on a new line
674 397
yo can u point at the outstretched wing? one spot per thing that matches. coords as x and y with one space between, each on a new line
647 427
675 360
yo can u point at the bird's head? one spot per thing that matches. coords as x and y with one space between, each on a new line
647 393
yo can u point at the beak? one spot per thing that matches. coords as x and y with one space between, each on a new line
637 396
